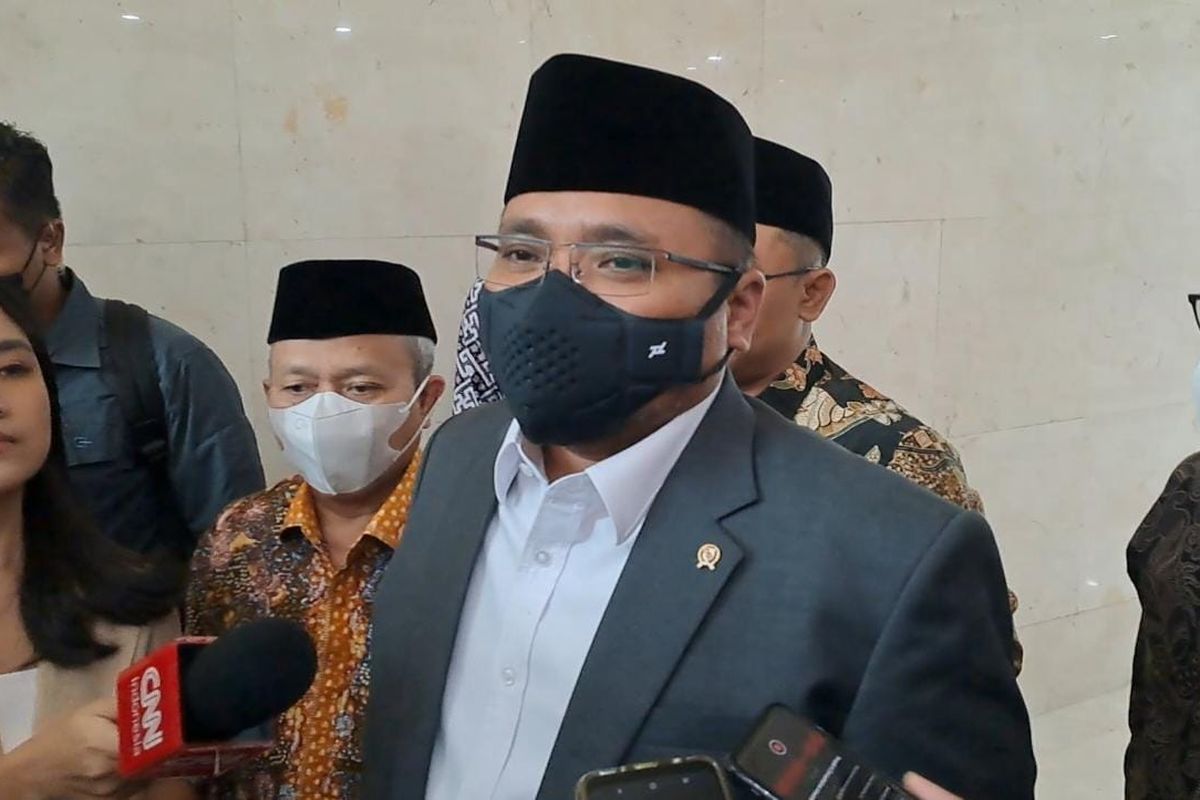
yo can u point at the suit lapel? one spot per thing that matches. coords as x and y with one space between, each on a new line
663 596
420 604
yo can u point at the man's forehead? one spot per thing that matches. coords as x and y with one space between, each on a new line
365 349
571 215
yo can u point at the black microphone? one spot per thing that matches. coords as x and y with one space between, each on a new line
178 708
250 675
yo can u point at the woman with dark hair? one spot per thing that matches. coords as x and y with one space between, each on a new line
75 609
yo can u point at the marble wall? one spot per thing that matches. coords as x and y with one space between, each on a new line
1018 207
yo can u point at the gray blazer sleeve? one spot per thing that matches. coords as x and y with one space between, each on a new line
213 453
943 665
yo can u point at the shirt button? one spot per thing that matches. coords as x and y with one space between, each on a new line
542 557
509 676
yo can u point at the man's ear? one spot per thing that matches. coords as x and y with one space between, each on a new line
816 289
435 387
50 241
744 305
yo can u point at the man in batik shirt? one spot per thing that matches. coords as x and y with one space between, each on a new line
349 391
786 370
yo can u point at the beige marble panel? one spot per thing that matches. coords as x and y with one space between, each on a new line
1081 749
446 266
1071 659
401 125
1150 162
1076 106
1064 500
882 320
1023 133
199 287
1015 321
718 43
138 114
1037 505
859 87
1129 458
1142 336
963 109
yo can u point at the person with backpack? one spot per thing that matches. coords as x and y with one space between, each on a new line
156 438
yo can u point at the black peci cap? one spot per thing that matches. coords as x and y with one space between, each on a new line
794 193
602 126
328 299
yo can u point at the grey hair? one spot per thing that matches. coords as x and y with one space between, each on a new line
423 350
799 243
731 240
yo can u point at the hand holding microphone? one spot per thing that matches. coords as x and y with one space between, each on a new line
74 756
179 708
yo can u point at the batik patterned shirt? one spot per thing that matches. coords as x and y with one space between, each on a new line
265 557
823 397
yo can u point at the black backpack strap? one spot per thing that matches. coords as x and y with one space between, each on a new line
127 361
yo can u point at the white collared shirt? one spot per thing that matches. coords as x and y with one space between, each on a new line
544 576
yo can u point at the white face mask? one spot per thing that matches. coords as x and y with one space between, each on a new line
339 445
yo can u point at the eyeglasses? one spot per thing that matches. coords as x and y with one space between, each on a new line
1194 300
608 270
790 273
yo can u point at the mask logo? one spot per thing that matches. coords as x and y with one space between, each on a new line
656 350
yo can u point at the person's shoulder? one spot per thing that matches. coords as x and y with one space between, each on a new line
473 429
797 465
860 398
1187 473
174 345
1175 511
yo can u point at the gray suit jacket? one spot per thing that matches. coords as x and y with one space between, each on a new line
844 591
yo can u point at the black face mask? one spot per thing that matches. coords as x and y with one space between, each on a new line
574 368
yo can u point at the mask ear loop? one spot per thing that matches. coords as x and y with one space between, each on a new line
728 284
18 278
29 261
424 419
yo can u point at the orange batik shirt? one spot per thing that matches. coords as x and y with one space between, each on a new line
265 557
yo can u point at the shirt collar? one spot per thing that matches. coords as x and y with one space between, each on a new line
385 526
74 337
626 482
805 373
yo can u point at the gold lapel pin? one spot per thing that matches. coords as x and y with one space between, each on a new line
708 556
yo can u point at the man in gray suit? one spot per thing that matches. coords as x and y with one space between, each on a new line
618 563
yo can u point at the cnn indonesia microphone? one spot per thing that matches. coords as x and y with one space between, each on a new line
190 709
